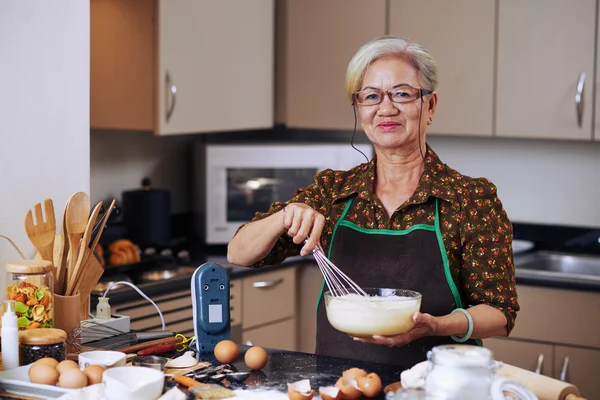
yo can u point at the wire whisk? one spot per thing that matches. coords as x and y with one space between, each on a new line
338 283
91 334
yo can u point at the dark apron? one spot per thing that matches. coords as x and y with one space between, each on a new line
412 259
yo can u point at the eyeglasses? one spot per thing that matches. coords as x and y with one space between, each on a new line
402 94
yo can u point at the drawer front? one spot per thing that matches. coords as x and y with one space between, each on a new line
558 316
526 355
268 297
145 309
280 335
235 302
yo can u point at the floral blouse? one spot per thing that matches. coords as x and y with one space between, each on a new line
476 231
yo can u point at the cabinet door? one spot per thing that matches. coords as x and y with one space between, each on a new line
460 36
316 41
280 335
268 297
526 355
218 54
543 48
558 315
310 281
581 369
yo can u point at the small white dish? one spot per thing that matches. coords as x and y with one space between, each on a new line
186 360
133 383
104 358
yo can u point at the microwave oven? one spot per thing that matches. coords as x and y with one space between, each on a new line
240 180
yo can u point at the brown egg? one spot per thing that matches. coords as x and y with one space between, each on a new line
226 351
65 365
256 358
48 361
94 374
72 378
354 373
43 374
370 385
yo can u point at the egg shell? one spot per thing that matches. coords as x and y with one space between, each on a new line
72 378
354 373
349 388
43 374
93 374
64 365
370 385
48 361
226 351
300 390
256 358
330 393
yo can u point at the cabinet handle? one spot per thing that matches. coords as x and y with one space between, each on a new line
267 284
540 362
579 99
563 371
172 95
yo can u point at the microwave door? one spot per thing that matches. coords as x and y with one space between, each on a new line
251 190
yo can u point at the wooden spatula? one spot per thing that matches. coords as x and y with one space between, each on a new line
41 233
83 252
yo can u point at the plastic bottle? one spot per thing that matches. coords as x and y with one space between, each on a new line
10 337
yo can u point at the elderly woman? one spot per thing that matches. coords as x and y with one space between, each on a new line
403 220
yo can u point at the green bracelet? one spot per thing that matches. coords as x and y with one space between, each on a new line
469 330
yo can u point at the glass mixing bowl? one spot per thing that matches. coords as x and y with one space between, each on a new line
385 312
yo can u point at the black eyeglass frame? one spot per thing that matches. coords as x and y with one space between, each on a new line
388 93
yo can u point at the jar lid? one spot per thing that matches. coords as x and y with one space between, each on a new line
29 266
42 336
461 355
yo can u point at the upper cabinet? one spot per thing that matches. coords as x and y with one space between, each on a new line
460 36
545 80
182 66
315 41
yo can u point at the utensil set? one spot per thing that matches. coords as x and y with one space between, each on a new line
76 266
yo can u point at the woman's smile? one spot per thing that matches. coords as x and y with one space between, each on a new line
387 126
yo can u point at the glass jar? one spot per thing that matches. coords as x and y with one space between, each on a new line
460 372
30 283
43 342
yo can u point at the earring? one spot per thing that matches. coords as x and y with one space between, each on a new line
430 119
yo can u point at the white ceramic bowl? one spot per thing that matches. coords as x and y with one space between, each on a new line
104 358
385 312
133 383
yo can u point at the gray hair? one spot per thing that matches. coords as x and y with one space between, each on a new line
391 46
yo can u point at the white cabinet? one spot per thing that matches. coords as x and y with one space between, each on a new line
460 35
182 66
544 51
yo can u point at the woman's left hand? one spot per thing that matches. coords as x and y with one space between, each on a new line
425 325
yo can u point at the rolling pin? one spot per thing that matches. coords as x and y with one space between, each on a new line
544 387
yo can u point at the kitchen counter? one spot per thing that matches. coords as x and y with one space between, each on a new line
125 293
287 366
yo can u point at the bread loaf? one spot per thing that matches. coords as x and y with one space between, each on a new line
124 251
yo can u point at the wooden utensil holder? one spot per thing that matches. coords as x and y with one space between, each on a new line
67 314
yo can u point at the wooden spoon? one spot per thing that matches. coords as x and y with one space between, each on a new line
77 213
41 234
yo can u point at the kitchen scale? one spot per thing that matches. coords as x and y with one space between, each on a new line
210 305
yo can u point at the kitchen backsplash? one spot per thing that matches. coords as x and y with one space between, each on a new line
539 181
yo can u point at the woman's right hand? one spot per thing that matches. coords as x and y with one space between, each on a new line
303 222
